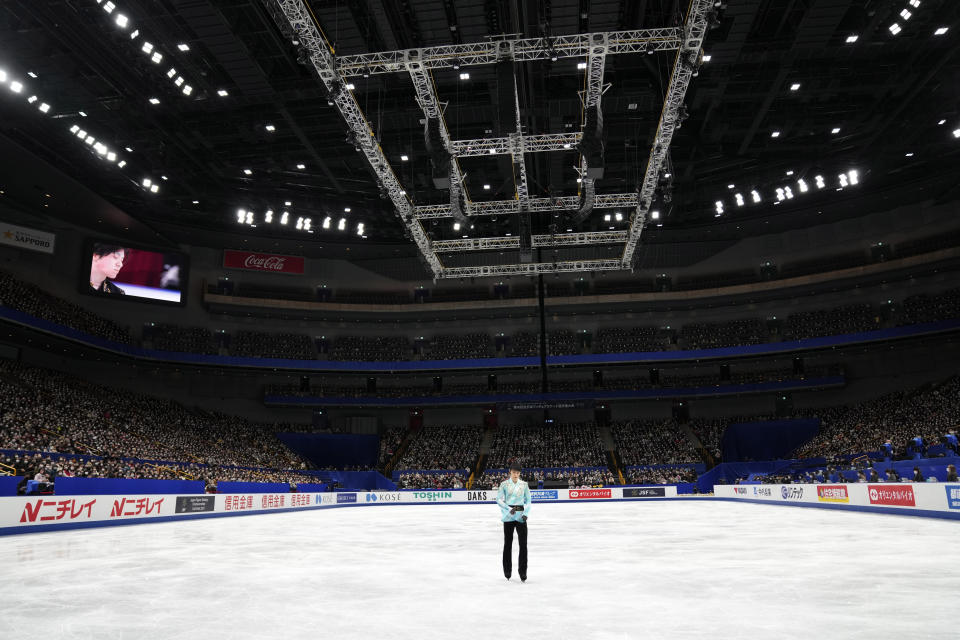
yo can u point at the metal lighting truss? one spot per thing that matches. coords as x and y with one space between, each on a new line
686 63
537 240
418 62
521 50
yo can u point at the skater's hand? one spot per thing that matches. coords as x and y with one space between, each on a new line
515 508
524 519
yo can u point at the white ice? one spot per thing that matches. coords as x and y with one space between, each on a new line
664 569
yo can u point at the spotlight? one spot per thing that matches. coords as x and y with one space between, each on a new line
172 72
719 204
780 195
404 158
654 215
820 182
241 215
342 224
606 218
583 65
109 7
247 172
268 216
852 38
222 93
284 217
843 180
360 229
121 21
774 134
270 128
895 28
187 90
183 47
326 222
154 188
16 87
301 166
147 182
756 196
147 47
854 176
300 223
154 101
795 86
3 75
464 76
739 198
789 192
306 223
456 226
618 216
941 31
835 130
156 57
803 185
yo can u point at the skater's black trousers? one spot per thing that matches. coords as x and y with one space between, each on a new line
508 528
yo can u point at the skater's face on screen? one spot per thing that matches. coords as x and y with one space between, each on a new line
514 475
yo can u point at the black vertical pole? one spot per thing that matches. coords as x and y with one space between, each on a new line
543 337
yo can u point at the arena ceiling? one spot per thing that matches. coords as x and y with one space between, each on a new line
784 91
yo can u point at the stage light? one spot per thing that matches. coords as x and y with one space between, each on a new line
32 99
618 216
154 188
154 101
941 31
905 14
122 164
581 65
268 216
654 215
109 7
464 76
187 90
739 198
121 21
241 215
914 3
404 158
172 72
756 196
156 57
780 195
301 166
789 192
136 32
81 134
16 86
147 182
3 75
852 38
803 185
111 156
835 130
183 47
351 86
346 209
731 186
360 229
895 28
326 222
74 129
606 218
486 187
249 217
774 134
307 222
820 182
342 224
222 93
284 217
90 140
300 223
795 86
854 176
843 180
719 204
247 172
956 133
707 57
456 226
147 47
270 128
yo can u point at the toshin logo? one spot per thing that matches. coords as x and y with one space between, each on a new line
432 496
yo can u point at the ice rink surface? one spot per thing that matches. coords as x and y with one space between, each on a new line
661 569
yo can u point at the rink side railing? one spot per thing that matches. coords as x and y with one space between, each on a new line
33 514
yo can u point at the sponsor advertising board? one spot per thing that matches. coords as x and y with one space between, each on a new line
645 492
898 495
953 496
590 494
26 238
539 495
268 262
832 493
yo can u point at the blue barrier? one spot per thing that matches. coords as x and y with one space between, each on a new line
767 439
67 486
252 487
304 487
8 485
334 449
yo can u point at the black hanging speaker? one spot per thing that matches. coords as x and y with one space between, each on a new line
371 385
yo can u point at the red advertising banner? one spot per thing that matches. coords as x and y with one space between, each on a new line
269 262
586 494
898 495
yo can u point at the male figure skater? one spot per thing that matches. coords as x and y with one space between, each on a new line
514 500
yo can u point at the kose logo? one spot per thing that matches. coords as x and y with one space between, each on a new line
383 497
371 497
270 263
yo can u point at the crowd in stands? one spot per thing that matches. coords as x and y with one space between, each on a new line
554 445
370 348
456 346
390 441
830 322
31 299
571 478
563 342
452 447
709 433
47 468
723 334
641 442
926 308
415 480
660 475
627 340
47 411
169 337
897 418
256 344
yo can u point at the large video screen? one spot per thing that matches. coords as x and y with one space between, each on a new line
135 273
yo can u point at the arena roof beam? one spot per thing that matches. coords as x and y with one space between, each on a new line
532 269
537 240
504 207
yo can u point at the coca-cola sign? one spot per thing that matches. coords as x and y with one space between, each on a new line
262 262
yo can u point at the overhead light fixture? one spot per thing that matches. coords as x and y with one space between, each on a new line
940 31
183 46
342 224
179 81
31 74
270 128
581 65
249 217
852 38
774 134
566 145
307 222
707 57
222 93
803 185
464 75
821 183
790 172
121 21
154 101
854 176
247 172
795 86
16 86
654 215
895 28
147 47
301 166
404 158
739 199
326 222
493 151
835 130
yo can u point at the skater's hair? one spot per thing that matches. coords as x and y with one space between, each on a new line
515 467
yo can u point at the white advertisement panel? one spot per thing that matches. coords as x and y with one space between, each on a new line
26 238
901 496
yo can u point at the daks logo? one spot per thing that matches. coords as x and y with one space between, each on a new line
477 495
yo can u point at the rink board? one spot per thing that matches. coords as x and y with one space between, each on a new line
30 514
930 499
